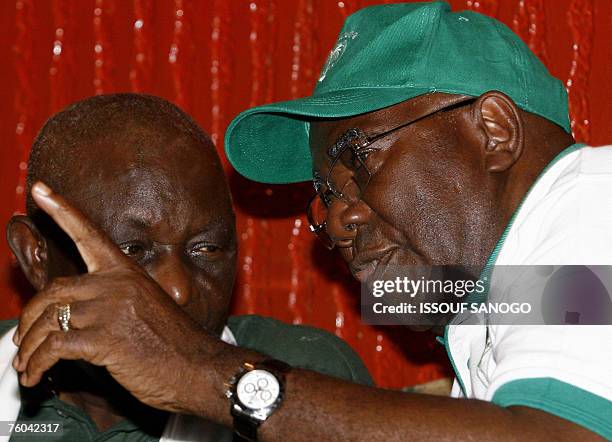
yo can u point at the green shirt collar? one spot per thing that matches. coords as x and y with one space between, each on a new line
76 422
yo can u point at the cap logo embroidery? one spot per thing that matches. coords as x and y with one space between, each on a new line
337 52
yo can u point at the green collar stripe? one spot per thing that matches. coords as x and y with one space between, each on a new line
478 298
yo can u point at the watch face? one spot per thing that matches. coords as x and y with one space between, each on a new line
257 389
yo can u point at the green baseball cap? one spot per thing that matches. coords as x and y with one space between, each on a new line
385 55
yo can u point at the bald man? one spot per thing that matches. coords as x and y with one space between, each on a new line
149 178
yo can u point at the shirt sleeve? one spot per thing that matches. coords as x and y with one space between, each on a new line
565 370
560 399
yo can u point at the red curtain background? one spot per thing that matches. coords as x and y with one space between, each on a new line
215 58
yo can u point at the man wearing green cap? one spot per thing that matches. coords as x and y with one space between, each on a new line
438 138
432 138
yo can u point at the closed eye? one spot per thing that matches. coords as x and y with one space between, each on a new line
206 248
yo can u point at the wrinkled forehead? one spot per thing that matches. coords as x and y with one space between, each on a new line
169 178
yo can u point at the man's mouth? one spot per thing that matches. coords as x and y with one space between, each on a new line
364 274
365 263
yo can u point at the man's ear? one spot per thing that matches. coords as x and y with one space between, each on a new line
502 125
30 249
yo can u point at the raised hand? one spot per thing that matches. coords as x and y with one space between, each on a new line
120 318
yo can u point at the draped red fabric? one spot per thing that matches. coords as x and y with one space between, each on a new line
215 58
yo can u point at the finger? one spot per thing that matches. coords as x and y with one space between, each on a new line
61 291
96 249
72 345
81 315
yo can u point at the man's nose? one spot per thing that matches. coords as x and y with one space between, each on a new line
172 276
344 218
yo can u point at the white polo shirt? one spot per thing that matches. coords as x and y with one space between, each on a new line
565 370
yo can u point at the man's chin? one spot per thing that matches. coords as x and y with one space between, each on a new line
420 328
394 268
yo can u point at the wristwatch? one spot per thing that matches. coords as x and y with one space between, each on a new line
255 392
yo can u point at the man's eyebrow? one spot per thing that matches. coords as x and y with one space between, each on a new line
143 223
215 230
139 222
215 224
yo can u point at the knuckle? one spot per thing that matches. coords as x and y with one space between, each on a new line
56 341
129 303
62 283
58 283
50 313
123 311
130 272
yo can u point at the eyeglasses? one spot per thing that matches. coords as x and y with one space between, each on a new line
352 149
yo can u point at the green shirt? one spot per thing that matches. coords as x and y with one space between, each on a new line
297 345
